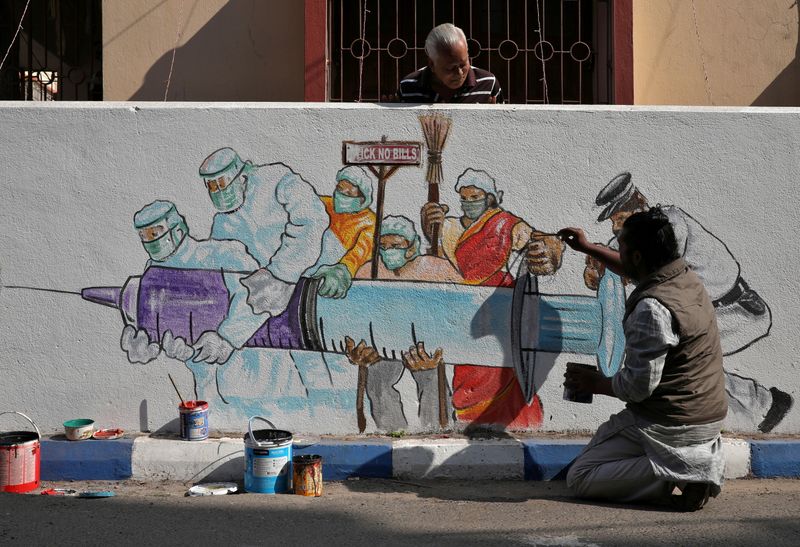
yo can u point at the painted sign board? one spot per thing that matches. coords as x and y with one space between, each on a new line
382 153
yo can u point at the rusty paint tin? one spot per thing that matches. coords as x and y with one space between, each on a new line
307 475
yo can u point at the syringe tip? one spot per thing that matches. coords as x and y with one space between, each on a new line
107 296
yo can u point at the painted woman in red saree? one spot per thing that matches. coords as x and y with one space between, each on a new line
481 244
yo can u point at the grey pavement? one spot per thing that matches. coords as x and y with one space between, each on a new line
379 512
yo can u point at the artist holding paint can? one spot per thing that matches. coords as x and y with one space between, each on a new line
668 436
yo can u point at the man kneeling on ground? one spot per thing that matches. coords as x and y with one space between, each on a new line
668 436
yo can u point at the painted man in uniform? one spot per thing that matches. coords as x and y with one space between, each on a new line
480 244
742 315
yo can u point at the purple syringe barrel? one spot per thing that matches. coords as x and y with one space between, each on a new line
191 302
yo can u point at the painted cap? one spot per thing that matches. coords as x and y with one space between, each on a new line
403 227
615 194
224 161
155 212
479 179
400 226
360 178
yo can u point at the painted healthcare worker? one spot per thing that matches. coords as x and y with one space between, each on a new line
280 219
275 213
165 236
347 243
400 260
346 246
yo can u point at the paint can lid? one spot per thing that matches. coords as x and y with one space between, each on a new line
100 494
213 489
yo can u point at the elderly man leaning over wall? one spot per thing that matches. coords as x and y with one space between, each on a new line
449 77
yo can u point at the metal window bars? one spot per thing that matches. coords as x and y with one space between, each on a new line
543 51
57 55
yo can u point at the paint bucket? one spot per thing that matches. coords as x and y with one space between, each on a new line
19 459
194 420
267 459
307 475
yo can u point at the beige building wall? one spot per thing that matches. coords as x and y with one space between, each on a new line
227 50
749 48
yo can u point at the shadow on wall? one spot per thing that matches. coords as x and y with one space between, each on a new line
785 89
251 50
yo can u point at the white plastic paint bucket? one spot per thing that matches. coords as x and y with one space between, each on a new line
267 459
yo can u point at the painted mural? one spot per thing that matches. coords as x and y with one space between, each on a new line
298 290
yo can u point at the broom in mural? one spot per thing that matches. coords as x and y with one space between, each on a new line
436 128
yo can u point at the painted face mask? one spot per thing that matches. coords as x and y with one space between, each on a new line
346 204
394 259
164 245
473 209
227 196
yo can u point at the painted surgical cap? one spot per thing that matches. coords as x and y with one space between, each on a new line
155 212
358 177
401 226
223 161
479 179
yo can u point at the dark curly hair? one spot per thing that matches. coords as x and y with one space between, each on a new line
650 233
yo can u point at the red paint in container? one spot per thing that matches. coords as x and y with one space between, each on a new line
20 455
194 420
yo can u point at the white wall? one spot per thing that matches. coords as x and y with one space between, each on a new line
74 175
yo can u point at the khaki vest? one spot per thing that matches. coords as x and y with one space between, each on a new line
692 387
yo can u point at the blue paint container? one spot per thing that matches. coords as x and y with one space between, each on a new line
267 459
194 420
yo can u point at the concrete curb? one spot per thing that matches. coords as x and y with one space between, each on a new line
775 458
155 458
89 460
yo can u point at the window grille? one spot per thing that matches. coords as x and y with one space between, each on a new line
58 53
568 64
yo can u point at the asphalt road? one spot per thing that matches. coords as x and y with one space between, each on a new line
380 512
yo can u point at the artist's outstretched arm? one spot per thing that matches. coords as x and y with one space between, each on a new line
575 238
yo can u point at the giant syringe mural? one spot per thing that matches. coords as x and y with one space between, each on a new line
495 326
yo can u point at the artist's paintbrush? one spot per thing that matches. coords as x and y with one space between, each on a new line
183 403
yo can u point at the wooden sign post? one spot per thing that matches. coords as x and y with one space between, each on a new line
383 158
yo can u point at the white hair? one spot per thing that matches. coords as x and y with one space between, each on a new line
446 35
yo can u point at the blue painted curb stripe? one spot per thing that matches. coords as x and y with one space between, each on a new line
354 459
86 460
543 460
548 460
775 458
